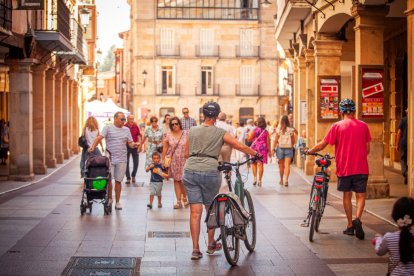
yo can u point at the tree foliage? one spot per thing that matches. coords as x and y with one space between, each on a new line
109 60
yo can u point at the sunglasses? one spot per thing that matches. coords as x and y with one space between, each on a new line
123 119
185 112
174 124
155 121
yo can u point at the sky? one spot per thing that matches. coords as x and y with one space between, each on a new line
113 18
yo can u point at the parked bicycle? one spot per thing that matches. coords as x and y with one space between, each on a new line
319 193
233 213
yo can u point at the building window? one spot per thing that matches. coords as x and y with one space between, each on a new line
206 42
167 80
206 80
246 80
208 9
246 42
166 110
246 113
167 41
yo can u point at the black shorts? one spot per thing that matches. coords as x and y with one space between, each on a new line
356 183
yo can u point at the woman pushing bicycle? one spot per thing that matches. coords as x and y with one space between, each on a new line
201 178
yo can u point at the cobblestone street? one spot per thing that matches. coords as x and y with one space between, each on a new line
41 229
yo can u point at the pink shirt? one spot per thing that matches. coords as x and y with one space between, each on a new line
350 137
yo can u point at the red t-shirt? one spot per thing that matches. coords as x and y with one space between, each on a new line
350 137
134 131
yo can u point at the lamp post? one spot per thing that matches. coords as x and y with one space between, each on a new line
84 15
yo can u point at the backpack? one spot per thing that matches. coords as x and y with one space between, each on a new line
285 139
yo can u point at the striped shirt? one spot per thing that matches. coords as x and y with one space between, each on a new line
116 142
188 123
390 245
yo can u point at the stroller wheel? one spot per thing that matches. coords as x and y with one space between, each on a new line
90 207
82 209
107 209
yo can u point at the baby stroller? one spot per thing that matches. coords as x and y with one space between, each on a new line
98 173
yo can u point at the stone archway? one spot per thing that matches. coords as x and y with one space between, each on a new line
335 23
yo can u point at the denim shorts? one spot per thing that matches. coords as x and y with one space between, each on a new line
118 171
201 187
284 153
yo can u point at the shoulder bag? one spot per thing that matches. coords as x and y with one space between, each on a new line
168 158
255 140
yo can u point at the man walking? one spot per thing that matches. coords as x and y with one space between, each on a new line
351 138
225 152
117 136
136 136
402 147
186 121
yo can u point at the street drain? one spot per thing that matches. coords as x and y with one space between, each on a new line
172 235
111 266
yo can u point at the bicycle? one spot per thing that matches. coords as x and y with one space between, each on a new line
234 214
318 195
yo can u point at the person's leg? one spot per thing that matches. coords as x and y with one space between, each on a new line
404 166
287 169
159 200
151 199
281 170
183 193
110 190
135 160
260 169
117 191
195 218
82 163
254 169
128 176
348 207
360 204
210 232
178 193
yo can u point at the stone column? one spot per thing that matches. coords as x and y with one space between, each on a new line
300 96
65 117
21 120
39 111
369 26
410 41
58 118
75 118
311 106
50 115
70 112
328 54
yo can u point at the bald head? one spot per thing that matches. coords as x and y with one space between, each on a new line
222 116
130 119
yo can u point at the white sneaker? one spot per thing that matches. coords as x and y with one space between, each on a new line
118 206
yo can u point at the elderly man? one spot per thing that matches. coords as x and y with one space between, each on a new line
187 122
117 136
225 152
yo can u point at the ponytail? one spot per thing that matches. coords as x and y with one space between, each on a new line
406 245
403 214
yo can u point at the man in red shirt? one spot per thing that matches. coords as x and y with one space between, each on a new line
136 136
351 138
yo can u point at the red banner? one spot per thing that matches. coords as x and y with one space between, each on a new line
372 92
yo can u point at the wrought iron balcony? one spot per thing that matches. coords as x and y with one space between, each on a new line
79 51
164 91
212 51
203 90
247 91
6 16
171 51
52 27
248 52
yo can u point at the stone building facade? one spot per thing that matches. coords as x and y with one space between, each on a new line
42 50
356 49
185 53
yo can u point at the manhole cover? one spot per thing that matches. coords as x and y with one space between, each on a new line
101 266
161 234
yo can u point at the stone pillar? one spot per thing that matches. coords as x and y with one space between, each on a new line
58 118
70 112
311 106
328 54
75 118
369 26
50 115
21 120
39 111
300 96
65 117
410 47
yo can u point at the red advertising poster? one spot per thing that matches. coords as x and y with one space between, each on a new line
372 93
329 97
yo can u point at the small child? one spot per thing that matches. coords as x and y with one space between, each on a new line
157 175
400 244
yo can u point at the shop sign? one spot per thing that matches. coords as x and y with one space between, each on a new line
328 100
371 92
31 5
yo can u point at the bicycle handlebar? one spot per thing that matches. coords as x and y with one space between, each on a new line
327 156
238 164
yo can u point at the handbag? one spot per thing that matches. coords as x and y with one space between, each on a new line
168 158
82 142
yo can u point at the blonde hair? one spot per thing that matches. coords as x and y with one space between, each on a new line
92 124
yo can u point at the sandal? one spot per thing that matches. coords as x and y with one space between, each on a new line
215 246
196 255
185 202
178 205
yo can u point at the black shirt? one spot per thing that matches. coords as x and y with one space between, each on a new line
155 177
403 127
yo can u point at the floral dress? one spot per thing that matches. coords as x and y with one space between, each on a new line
153 136
259 143
178 160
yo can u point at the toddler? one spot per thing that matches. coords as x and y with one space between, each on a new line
400 244
157 175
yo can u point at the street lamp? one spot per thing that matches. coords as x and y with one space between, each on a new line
84 15
265 3
144 76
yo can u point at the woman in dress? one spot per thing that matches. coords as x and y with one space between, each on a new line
173 147
91 131
283 146
260 139
153 139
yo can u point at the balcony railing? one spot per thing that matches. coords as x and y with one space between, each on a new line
248 91
213 51
203 90
6 14
168 91
252 51
77 39
57 19
168 51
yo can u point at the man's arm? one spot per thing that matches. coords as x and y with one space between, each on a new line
318 147
97 141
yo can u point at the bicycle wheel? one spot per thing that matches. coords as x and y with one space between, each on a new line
314 217
231 244
250 241
319 213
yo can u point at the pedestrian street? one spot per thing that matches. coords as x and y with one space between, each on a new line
41 229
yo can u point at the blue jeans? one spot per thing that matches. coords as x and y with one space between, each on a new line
85 155
135 161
